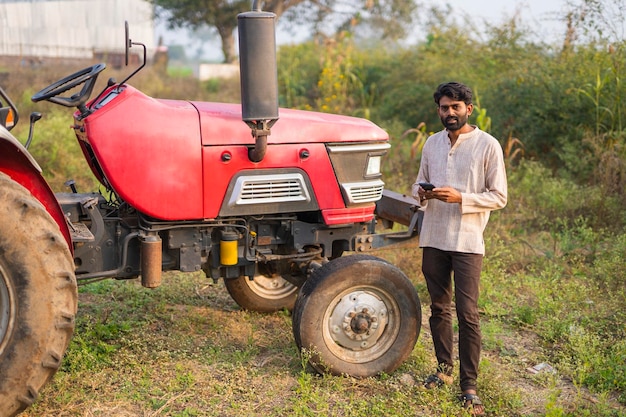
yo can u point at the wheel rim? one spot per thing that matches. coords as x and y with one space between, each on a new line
272 287
361 324
7 310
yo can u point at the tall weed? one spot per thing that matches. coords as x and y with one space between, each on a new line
56 149
544 202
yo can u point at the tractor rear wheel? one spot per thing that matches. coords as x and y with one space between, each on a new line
357 315
38 297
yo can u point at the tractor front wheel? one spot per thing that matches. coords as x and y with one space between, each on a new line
266 293
357 315
38 297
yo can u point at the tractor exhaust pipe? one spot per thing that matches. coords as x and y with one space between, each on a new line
258 76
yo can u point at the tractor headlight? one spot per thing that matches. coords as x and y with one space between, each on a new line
373 165
358 169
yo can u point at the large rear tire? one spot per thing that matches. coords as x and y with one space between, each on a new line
357 315
266 293
38 297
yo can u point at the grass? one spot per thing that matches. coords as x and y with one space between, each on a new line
552 292
186 349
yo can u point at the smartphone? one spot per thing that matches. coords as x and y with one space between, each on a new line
426 186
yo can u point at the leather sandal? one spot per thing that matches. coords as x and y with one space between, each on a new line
472 403
437 380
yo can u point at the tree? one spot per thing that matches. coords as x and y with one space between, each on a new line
390 17
594 20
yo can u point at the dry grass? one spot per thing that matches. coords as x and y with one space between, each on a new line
22 81
185 349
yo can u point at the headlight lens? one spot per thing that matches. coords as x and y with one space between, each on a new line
373 165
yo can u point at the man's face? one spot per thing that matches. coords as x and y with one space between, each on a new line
453 114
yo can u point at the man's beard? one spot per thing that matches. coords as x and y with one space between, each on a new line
454 123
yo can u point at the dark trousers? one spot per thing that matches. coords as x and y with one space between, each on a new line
438 267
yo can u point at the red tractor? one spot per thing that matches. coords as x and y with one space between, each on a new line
188 188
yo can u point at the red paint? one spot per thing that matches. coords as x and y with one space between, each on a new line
15 164
166 157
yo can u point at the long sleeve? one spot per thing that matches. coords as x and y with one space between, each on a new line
475 167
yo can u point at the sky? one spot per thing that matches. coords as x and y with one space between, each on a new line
496 9
540 15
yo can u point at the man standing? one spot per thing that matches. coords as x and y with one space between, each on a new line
466 167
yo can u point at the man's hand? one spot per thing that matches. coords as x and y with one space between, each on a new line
445 194
423 195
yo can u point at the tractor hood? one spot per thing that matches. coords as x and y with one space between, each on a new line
221 124
175 159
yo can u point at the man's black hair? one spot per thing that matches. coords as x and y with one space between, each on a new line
456 91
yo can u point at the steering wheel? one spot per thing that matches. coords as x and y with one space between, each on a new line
87 76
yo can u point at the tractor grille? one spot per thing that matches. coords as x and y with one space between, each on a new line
276 188
364 192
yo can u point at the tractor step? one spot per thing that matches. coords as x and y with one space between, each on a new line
80 233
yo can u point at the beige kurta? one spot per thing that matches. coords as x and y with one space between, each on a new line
475 167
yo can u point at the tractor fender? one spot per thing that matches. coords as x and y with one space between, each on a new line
5 135
19 164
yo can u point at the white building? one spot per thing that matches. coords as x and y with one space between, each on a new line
72 28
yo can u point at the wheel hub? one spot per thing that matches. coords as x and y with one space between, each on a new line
361 323
358 320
